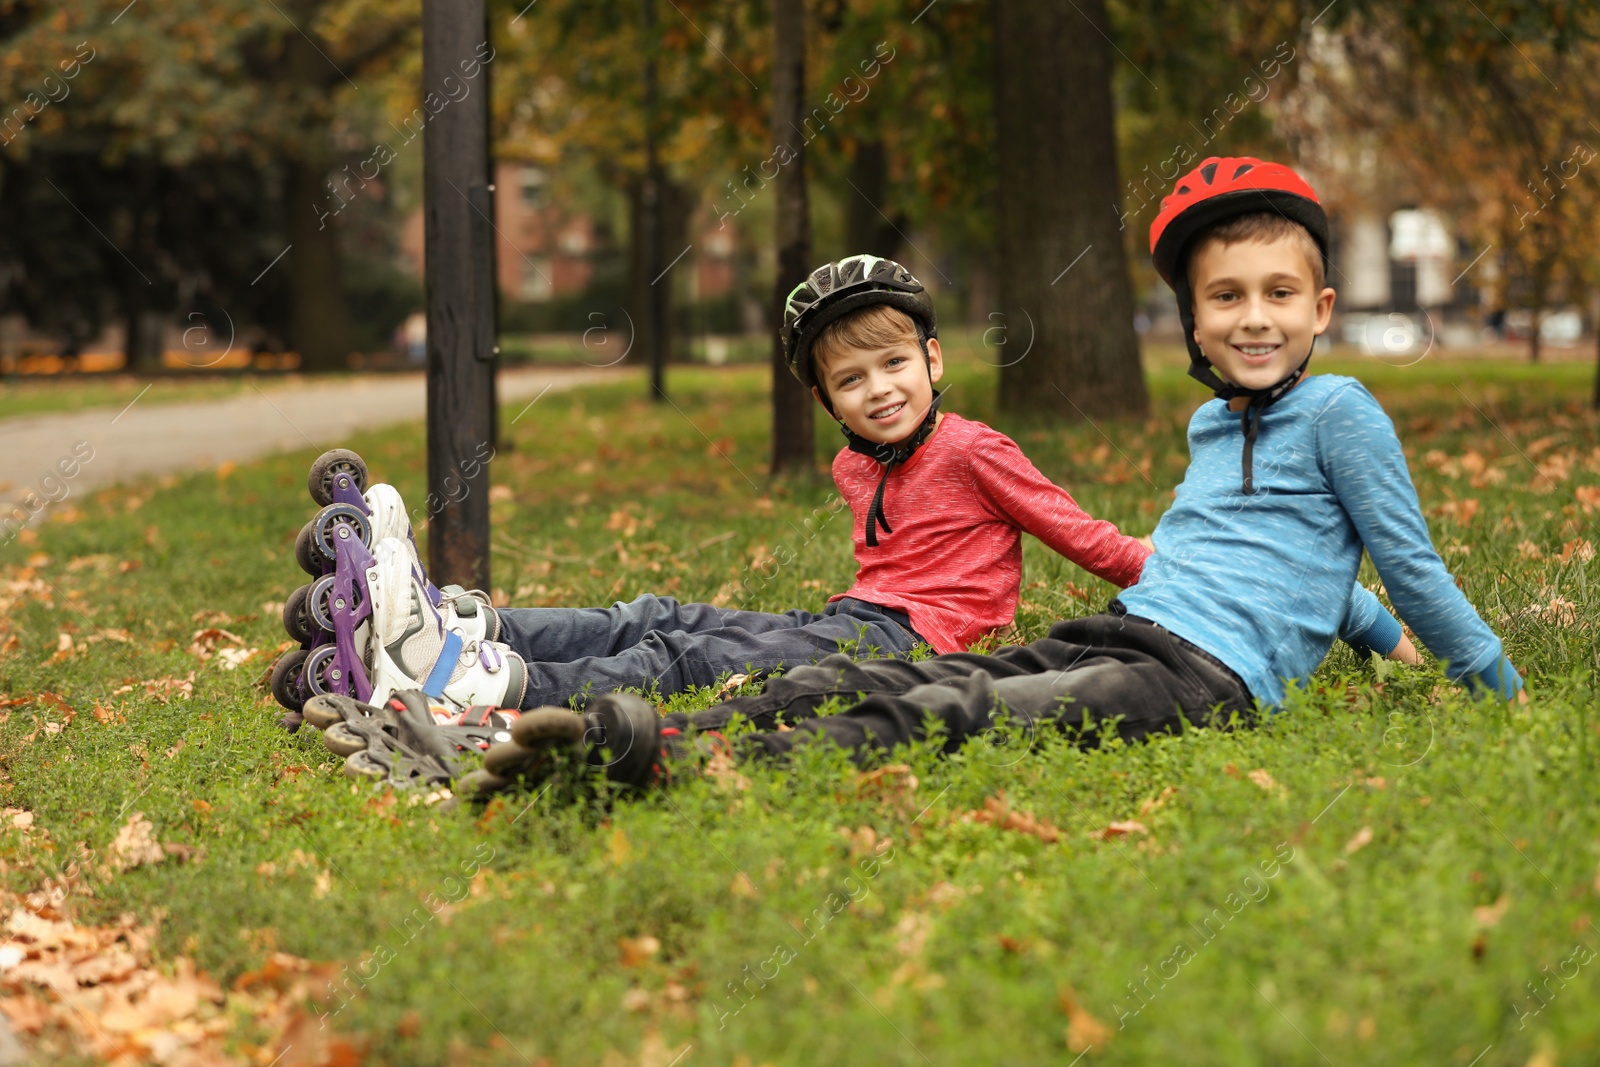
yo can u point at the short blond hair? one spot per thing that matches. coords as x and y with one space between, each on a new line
874 326
1264 226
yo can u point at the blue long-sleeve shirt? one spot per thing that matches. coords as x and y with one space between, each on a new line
1265 582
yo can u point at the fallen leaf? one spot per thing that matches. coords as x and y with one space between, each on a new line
1084 1031
742 886
1263 779
1577 549
1361 840
1112 831
1155 803
637 950
999 813
894 784
136 844
1487 915
232 658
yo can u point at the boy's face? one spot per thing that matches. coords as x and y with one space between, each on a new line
1255 309
883 394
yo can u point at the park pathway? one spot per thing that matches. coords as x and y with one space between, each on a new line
148 437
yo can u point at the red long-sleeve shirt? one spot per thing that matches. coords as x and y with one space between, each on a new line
959 508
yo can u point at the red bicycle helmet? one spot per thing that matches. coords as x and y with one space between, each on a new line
1219 189
1222 188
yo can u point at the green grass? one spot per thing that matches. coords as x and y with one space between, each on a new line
20 396
961 944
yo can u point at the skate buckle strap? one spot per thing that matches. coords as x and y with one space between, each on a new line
490 658
444 666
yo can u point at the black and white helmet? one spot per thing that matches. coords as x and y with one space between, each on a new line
835 289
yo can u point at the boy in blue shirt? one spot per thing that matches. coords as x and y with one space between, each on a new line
1289 480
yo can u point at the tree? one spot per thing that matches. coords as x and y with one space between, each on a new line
1063 268
158 88
793 447
1483 113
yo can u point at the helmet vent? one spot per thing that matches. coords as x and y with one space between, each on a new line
1182 190
1245 169
1209 172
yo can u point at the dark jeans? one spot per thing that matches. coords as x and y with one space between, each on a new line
574 654
1111 666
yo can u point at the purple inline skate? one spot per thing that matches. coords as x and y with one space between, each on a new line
371 622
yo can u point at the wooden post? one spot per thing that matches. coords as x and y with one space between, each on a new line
460 286
650 210
793 446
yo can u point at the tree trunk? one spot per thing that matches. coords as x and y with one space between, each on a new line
650 211
458 242
1063 267
1537 312
866 228
319 319
1596 399
674 207
793 447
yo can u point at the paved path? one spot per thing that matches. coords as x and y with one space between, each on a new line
148 437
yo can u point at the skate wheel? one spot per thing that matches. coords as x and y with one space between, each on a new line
548 728
324 711
321 676
336 467
626 738
305 550
320 604
286 678
296 622
337 522
343 741
361 766
481 784
513 761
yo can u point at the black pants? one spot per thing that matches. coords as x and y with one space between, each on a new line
1106 667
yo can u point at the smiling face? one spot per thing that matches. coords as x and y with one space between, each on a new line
882 392
1258 306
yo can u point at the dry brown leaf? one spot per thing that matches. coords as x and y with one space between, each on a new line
1487 915
637 950
1361 840
136 844
620 849
1261 778
742 886
1155 803
1577 549
1084 1031
1114 830
894 784
999 813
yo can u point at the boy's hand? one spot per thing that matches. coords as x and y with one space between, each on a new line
1146 542
1405 652
1522 696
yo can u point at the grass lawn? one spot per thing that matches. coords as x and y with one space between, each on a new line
1387 873
44 396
